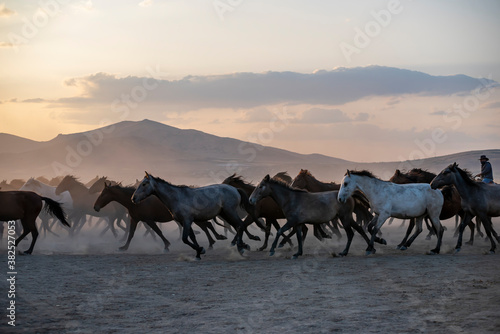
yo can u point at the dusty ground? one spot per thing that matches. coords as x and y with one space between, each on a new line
85 286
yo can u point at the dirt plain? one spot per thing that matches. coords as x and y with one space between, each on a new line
84 285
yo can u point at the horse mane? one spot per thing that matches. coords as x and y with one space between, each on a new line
305 172
286 185
363 172
466 175
419 171
159 179
238 179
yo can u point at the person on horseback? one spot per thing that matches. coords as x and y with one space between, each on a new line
486 170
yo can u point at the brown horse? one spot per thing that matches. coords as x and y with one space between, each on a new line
26 205
83 204
267 208
149 211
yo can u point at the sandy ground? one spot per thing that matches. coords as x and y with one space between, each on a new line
84 285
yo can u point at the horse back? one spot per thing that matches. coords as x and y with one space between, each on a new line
17 204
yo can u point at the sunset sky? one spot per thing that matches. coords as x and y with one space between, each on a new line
358 80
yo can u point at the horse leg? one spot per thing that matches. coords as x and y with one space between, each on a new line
411 225
429 228
376 224
286 238
436 223
269 223
346 222
157 230
187 232
335 228
29 225
289 224
362 232
471 227
299 241
418 224
217 235
203 227
131 232
465 221
490 232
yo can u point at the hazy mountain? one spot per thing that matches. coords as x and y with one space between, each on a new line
123 151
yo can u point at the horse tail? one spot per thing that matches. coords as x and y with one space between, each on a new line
55 209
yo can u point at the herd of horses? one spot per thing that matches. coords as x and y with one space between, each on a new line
361 202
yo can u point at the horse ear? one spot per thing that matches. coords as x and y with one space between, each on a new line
398 172
147 175
267 177
348 173
106 185
454 165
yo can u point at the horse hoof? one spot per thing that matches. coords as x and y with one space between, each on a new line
343 254
166 250
432 252
202 251
403 248
24 253
197 258
271 253
281 246
295 257
261 249
470 243
457 250
370 252
233 243
210 247
383 241
490 252
428 237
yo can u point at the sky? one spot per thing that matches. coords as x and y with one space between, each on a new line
364 81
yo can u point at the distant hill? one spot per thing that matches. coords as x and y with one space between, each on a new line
123 151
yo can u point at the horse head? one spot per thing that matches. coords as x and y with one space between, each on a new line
144 189
445 177
262 190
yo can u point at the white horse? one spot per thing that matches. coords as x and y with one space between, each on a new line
387 199
45 190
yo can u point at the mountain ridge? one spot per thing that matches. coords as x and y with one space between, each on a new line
124 150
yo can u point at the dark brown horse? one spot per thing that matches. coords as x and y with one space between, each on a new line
26 205
83 204
149 211
267 208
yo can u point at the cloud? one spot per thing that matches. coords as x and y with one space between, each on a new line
252 90
6 12
145 3
7 45
491 105
324 116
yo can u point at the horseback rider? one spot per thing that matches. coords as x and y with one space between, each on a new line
486 170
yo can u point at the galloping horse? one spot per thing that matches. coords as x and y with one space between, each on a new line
26 205
301 206
150 211
389 199
83 204
45 190
478 199
189 205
